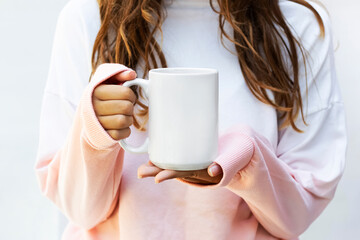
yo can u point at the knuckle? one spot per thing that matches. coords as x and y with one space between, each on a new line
124 121
128 93
127 132
114 134
120 134
121 121
128 107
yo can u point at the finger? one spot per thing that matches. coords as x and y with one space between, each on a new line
119 134
203 175
214 170
124 76
195 180
114 92
148 170
198 174
115 122
170 174
113 107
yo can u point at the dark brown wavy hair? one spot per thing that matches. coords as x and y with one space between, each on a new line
262 38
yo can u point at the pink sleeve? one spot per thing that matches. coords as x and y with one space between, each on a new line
285 195
82 178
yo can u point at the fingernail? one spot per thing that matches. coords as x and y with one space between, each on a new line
131 73
140 177
214 170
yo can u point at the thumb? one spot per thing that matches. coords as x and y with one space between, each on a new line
214 170
124 76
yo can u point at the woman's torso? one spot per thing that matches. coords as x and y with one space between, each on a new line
191 38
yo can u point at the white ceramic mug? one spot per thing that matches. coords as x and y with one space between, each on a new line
183 117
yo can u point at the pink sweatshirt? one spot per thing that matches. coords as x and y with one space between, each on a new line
270 189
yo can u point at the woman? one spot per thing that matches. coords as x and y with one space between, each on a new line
281 119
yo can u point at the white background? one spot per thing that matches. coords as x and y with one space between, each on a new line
26 33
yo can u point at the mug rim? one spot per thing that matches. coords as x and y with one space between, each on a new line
184 71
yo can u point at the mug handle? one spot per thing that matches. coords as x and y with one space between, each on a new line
144 84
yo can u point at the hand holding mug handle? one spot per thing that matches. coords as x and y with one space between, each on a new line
144 84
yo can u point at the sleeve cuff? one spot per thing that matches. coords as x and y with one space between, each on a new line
236 149
94 132
238 154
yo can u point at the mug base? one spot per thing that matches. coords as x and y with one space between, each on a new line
182 167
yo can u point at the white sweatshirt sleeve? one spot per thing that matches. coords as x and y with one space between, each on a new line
78 164
69 73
